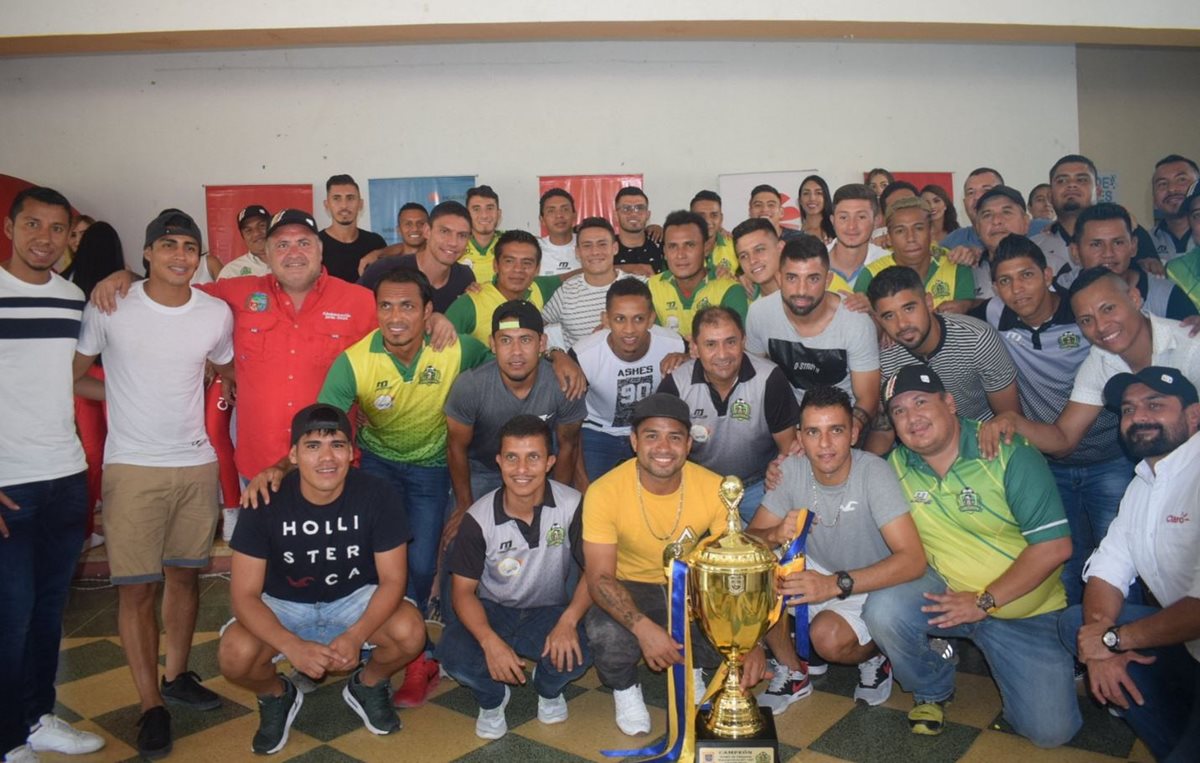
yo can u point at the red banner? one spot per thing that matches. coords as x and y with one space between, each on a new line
593 194
223 202
9 188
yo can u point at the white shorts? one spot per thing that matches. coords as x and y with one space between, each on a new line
849 609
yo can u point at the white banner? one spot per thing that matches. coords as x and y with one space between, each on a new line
735 194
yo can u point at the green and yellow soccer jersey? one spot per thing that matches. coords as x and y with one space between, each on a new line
723 254
945 280
481 260
402 404
675 311
976 521
471 313
1184 270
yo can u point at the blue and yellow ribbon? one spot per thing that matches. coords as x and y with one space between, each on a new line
794 561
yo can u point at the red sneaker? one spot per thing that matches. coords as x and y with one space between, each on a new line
420 679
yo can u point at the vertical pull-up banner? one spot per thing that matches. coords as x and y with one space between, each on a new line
223 202
387 195
594 194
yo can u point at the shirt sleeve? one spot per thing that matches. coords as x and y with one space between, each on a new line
93 335
756 343
474 352
599 524
995 365
1146 250
863 349
1090 380
668 387
1033 496
461 403
552 310
575 536
571 411
735 299
1112 561
461 314
222 352
783 498
863 281
251 537
779 403
964 283
886 498
469 550
340 388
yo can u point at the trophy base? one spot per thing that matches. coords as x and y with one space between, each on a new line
763 747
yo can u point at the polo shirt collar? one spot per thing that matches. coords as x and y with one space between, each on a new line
968 448
1062 316
530 531
745 371
317 290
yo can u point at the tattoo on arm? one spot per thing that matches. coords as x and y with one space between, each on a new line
614 599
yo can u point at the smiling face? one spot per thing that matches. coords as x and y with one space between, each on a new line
1106 243
828 433
485 215
39 237
401 316
974 187
558 215
758 254
633 212
524 465
323 460
1023 287
412 226
343 204
1170 185
254 235
924 421
812 199
1109 316
997 218
77 233
906 316
630 319
937 207
294 256
661 446
768 205
517 352
1154 424
516 267
719 348
1040 206
448 236
595 248
173 260
853 222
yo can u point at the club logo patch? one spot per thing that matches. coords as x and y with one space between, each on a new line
555 535
430 376
921 496
257 302
508 567
740 410
968 500
1068 341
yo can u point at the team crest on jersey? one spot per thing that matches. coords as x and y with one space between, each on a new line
740 410
703 303
257 302
968 500
1068 341
940 290
921 496
430 376
555 535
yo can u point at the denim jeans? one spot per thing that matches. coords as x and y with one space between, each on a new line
601 452
37 561
322 621
1091 494
483 479
425 491
525 631
1168 684
1031 668
751 500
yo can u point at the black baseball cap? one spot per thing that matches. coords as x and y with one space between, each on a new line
1012 194
292 217
1190 200
660 404
916 378
172 222
518 314
251 212
319 417
1168 381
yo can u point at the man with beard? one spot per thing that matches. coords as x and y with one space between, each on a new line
758 252
689 285
252 224
637 252
1185 269
343 243
438 260
1141 653
1174 176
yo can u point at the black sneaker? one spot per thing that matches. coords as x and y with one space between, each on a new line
186 690
372 703
275 716
154 736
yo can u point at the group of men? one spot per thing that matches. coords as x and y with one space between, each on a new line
994 437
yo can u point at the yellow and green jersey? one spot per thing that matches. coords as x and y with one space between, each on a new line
977 520
471 313
944 281
722 254
402 404
1184 270
675 310
481 259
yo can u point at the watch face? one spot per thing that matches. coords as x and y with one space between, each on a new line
1109 638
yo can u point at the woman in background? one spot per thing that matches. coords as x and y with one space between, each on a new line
816 208
944 217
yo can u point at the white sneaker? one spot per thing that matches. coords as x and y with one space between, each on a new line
632 716
874 681
552 710
491 724
92 541
786 687
698 685
229 519
22 754
53 734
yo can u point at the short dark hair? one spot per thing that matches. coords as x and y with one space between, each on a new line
805 247
746 227
340 180
630 190
1074 159
881 171
412 206
1015 246
595 222
705 195
827 396
553 193
1089 276
715 314
517 236
527 425
856 192
482 190
450 208
1033 192
407 275
765 188
1172 158
891 281
627 287
38 193
682 217
1105 210
899 185
985 171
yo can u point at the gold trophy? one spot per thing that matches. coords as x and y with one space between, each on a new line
734 600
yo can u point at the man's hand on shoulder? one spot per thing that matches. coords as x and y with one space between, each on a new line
112 289
260 488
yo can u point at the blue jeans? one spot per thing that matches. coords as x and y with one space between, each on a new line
1091 494
525 631
751 500
1168 684
601 452
1031 668
483 479
425 491
37 561
323 621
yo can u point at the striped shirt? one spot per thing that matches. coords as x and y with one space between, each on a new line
970 359
576 307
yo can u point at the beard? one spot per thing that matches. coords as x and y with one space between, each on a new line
1069 207
800 312
1162 443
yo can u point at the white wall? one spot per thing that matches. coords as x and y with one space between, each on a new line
127 135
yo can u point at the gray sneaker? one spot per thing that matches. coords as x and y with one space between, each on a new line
372 703
275 716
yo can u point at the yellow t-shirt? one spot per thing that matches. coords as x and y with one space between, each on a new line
611 515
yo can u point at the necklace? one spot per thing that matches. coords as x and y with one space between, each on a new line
816 514
645 518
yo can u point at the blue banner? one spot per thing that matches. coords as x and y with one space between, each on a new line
389 194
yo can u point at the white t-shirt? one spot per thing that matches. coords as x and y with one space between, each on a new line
1172 348
557 258
615 386
246 265
39 325
154 375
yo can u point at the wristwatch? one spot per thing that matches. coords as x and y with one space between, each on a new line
845 584
986 602
1112 639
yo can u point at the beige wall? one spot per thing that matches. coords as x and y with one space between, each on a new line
1137 105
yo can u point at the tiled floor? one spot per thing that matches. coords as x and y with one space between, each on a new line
95 690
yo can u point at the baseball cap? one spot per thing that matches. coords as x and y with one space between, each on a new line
1168 381
660 404
1190 200
996 191
172 222
518 314
251 212
292 217
317 417
917 378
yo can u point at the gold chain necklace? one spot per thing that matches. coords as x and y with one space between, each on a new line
646 519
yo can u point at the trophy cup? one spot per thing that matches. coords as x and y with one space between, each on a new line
735 603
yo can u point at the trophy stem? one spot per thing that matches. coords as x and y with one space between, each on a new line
735 714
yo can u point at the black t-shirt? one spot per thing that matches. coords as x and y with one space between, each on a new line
323 553
341 260
461 277
649 253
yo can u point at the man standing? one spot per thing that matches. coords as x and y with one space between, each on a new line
160 471
978 182
688 285
855 210
412 226
483 204
1137 652
252 224
1174 176
758 253
1185 269
448 229
315 578
636 252
995 538
343 243
512 565
43 475
766 201
556 210
718 247
743 411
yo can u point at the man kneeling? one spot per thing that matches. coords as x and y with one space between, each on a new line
316 574
516 586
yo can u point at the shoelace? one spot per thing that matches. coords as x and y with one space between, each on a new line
779 679
868 672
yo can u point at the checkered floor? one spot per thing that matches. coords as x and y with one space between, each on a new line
96 692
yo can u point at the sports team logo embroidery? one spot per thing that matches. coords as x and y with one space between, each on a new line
1068 341
968 500
940 290
740 410
430 376
555 535
703 303
257 302
921 496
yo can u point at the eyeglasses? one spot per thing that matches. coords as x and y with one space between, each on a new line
627 208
